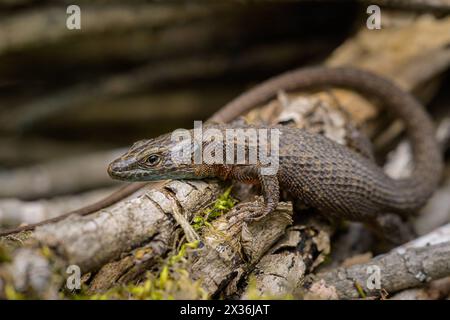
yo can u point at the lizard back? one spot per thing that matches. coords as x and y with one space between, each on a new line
335 179
331 176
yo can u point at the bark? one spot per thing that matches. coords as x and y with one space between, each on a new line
90 242
436 290
402 268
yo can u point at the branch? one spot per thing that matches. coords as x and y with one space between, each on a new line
408 266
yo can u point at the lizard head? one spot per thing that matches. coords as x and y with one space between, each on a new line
155 159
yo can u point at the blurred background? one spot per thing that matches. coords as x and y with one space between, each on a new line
71 100
136 70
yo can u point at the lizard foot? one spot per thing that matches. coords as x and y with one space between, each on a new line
257 215
248 212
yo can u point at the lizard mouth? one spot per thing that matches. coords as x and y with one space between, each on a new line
119 175
128 175
116 174
119 170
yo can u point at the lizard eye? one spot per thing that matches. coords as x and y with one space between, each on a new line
153 160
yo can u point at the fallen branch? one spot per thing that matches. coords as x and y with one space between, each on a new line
411 265
435 290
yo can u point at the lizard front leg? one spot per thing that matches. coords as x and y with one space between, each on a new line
269 186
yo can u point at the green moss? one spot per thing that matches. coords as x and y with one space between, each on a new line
12 294
14 241
327 260
360 290
46 252
222 205
172 282
4 254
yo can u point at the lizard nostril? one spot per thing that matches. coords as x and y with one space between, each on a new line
113 168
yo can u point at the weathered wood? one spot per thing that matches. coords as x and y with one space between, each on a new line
398 271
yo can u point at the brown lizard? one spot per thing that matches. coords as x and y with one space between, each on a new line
323 174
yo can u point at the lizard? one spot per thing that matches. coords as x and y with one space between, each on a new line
322 173
366 183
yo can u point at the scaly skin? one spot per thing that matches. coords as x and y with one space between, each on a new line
314 169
